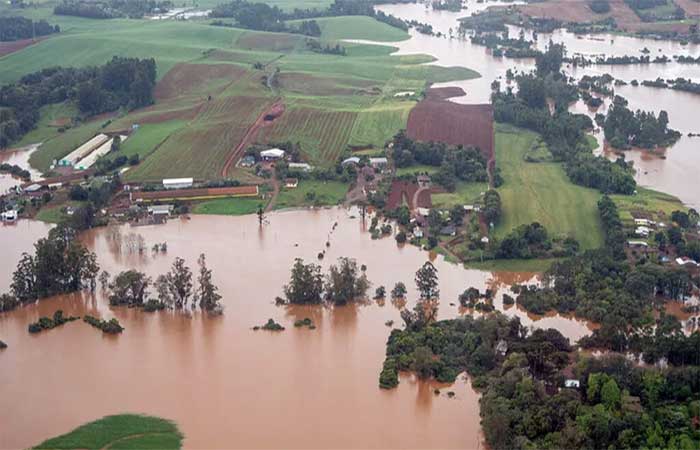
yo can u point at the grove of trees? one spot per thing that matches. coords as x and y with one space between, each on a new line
14 28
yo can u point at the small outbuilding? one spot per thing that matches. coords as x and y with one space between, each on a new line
351 160
304 167
572 384
379 162
291 183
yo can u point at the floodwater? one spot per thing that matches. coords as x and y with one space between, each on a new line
226 385
18 157
675 172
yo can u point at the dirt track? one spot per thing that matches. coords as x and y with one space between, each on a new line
275 110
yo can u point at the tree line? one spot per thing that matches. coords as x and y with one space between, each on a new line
120 83
111 9
16 27
175 289
60 264
562 131
263 17
345 282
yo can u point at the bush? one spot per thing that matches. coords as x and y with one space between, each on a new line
153 305
389 377
271 325
46 323
111 326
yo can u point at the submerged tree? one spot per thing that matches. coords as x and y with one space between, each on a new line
207 292
427 281
129 288
345 282
306 283
399 290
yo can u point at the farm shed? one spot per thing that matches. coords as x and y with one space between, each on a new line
291 183
194 194
177 183
272 154
102 150
81 152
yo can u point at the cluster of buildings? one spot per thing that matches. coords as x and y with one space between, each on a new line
85 156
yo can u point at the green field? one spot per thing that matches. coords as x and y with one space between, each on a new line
47 128
229 206
56 213
513 265
541 192
647 201
126 431
357 27
325 193
333 103
465 194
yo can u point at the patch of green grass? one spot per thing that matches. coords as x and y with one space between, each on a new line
46 128
358 27
56 213
125 431
229 206
312 193
513 265
647 201
147 137
541 192
465 194
418 168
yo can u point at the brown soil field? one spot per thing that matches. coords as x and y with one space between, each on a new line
268 41
579 11
454 124
404 192
14 46
186 79
311 85
444 93
691 7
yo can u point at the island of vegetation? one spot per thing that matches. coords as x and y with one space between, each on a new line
124 430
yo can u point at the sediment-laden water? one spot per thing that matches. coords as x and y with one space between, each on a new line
226 385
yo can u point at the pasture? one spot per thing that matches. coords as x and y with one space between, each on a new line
541 192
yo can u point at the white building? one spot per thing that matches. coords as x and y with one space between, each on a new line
572 384
685 261
378 163
9 216
423 211
637 244
272 154
642 231
178 183
351 160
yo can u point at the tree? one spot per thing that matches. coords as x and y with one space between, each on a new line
423 362
457 215
610 394
399 290
306 283
427 281
175 288
116 144
345 282
261 215
380 293
129 288
24 279
207 292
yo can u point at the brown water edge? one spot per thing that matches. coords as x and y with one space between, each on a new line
19 157
226 385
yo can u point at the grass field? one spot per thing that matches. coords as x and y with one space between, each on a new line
465 194
146 139
48 125
646 202
64 143
358 27
513 265
55 213
312 193
229 206
541 192
126 431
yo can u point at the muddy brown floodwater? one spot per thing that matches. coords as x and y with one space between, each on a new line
226 385
18 157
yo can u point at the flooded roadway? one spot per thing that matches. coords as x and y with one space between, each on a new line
224 384
674 173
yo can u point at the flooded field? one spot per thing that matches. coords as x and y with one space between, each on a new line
226 385
672 173
18 157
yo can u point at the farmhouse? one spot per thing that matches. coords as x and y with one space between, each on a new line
423 212
291 183
642 231
9 216
637 244
272 154
177 183
194 194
